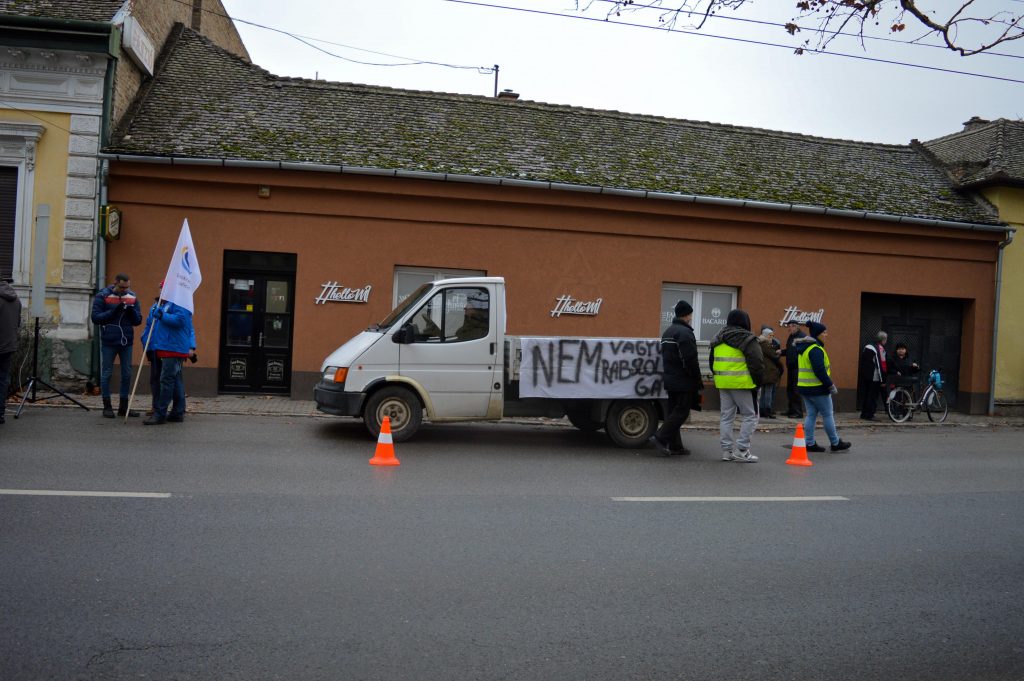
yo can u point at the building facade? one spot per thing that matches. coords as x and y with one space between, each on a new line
316 206
68 71
988 157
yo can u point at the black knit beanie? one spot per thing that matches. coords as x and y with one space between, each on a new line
738 318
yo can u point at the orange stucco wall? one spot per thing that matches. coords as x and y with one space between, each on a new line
355 229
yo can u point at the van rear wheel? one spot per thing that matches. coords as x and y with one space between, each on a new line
631 423
400 405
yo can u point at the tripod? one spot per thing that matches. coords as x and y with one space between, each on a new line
34 379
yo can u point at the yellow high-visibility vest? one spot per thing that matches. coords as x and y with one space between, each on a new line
730 368
806 377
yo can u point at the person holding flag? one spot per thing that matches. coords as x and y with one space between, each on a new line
169 332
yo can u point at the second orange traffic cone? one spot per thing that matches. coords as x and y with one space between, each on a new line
384 455
798 456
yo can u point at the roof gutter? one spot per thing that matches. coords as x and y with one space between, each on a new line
558 186
78 34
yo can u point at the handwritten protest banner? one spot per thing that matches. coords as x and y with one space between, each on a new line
590 368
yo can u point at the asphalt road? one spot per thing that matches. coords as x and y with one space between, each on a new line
272 550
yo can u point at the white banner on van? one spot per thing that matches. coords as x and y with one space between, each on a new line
590 368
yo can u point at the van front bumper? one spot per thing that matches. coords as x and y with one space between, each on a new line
332 400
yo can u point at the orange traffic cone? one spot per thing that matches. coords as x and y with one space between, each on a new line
798 457
385 452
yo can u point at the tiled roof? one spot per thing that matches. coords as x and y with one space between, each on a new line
985 153
207 103
82 10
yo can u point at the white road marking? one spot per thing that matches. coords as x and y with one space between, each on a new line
74 493
773 499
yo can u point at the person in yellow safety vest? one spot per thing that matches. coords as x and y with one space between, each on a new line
738 366
814 381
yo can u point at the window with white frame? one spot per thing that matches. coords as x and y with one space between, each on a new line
408 279
711 306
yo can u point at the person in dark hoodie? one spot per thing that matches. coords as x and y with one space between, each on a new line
816 387
738 365
796 405
680 378
10 320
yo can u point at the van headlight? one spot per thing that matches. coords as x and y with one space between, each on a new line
335 374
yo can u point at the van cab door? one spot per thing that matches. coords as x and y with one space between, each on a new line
454 353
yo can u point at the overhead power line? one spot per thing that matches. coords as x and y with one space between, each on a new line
748 41
305 40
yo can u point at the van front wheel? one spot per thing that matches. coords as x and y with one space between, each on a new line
630 423
400 405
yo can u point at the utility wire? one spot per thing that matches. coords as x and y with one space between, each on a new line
12 107
305 40
909 43
740 40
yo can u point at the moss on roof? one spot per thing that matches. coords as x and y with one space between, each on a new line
204 102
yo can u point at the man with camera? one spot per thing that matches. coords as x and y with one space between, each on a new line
116 310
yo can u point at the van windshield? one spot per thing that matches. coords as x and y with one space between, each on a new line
396 314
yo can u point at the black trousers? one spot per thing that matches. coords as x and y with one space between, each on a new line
678 411
155 364
796 405
872 389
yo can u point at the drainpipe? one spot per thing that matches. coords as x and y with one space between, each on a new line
995 326
101 245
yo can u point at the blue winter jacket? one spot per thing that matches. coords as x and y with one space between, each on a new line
171 326
116 323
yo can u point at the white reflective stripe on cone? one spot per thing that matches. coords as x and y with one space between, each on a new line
385 438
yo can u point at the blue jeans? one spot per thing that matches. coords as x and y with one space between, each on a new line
107 355
172 388
819 404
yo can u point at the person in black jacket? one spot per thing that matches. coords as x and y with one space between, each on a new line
901 369
873 369
796 405
680 378
10 321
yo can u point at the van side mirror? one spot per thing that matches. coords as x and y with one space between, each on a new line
404 335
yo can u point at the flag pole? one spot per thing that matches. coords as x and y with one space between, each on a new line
145 349
182 278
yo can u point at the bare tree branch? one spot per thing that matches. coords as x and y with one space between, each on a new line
834 17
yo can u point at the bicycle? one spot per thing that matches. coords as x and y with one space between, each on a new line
902 402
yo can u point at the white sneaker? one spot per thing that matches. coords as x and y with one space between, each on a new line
727 455
744 457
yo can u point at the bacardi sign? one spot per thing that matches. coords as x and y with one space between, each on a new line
333 292
795 314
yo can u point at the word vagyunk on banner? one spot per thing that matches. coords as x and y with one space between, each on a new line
587 368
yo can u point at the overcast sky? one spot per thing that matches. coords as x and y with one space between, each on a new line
603 65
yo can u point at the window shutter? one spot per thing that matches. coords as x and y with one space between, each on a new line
8 204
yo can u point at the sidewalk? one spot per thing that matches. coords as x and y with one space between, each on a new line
272 405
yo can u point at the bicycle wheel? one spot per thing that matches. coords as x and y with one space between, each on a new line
935 405
900 405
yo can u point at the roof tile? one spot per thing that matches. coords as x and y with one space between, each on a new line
205 102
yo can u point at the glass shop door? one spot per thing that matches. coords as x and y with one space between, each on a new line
256 333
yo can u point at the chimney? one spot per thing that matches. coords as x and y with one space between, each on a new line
975 123
509 95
